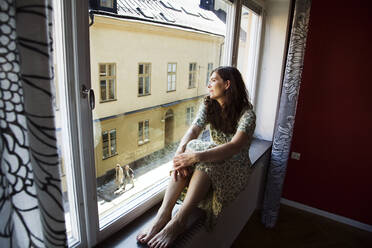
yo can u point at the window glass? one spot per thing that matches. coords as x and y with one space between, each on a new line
192 75
113 141
210 68
147 85
64 124
248 48
140 132
102 70
106 3
144 79
103 90
107 81
171 77
105 145
146 130
111 89
148 121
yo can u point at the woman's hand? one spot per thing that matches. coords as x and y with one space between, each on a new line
182 161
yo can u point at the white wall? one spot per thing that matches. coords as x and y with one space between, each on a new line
276 17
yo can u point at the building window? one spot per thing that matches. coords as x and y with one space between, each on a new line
189 115
210 68
109 144
106 3
144 79
143 132
107 81
192 75
172 69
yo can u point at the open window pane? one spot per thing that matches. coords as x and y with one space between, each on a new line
64 124
148 122
248 48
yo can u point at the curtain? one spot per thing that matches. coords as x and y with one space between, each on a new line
31 206
287 111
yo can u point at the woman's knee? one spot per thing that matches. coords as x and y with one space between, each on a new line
192 146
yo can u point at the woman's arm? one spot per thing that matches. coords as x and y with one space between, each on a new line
192 133
217 153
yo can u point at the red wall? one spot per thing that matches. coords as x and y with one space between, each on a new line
333 126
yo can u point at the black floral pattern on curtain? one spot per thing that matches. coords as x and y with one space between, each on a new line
31 206
287 112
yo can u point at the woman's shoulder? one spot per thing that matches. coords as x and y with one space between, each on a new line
248 112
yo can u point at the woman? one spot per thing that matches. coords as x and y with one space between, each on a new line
214 172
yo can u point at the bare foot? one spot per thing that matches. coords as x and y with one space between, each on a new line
166 236
157 224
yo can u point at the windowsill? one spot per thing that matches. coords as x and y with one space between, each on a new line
126 237
110 100
143 143
113 155
193 87
144 95
168 91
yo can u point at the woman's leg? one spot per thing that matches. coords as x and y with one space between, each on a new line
197 190
164 214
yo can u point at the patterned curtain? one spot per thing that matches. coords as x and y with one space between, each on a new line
287 111
31 206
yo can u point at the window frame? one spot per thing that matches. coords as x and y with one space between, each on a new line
143 75
209 70
193 74
190 115
143 133
110 154
77 52
107 78
172 73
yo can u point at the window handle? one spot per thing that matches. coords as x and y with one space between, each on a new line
90 94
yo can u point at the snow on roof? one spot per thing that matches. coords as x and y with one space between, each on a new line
181 13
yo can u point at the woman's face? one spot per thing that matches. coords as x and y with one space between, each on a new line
216 86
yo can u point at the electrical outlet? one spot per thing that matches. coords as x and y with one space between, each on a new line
295 155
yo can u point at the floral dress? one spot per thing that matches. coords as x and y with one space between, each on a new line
228 177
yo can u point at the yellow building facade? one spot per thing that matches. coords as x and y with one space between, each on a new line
166 112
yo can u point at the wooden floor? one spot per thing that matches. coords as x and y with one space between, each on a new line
300 229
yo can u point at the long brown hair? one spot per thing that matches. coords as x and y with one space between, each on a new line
226 119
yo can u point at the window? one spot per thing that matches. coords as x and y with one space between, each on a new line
172 69
120 126
143 132
107 82
189 115
248 48
108 144
209 70
192 75
107 3
144 79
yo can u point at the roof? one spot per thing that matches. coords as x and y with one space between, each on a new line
176 13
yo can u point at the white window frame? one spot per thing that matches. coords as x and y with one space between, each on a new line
192 74
190 115
209 70
143 76
171 74
144 133
77 62
109 142
107 78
